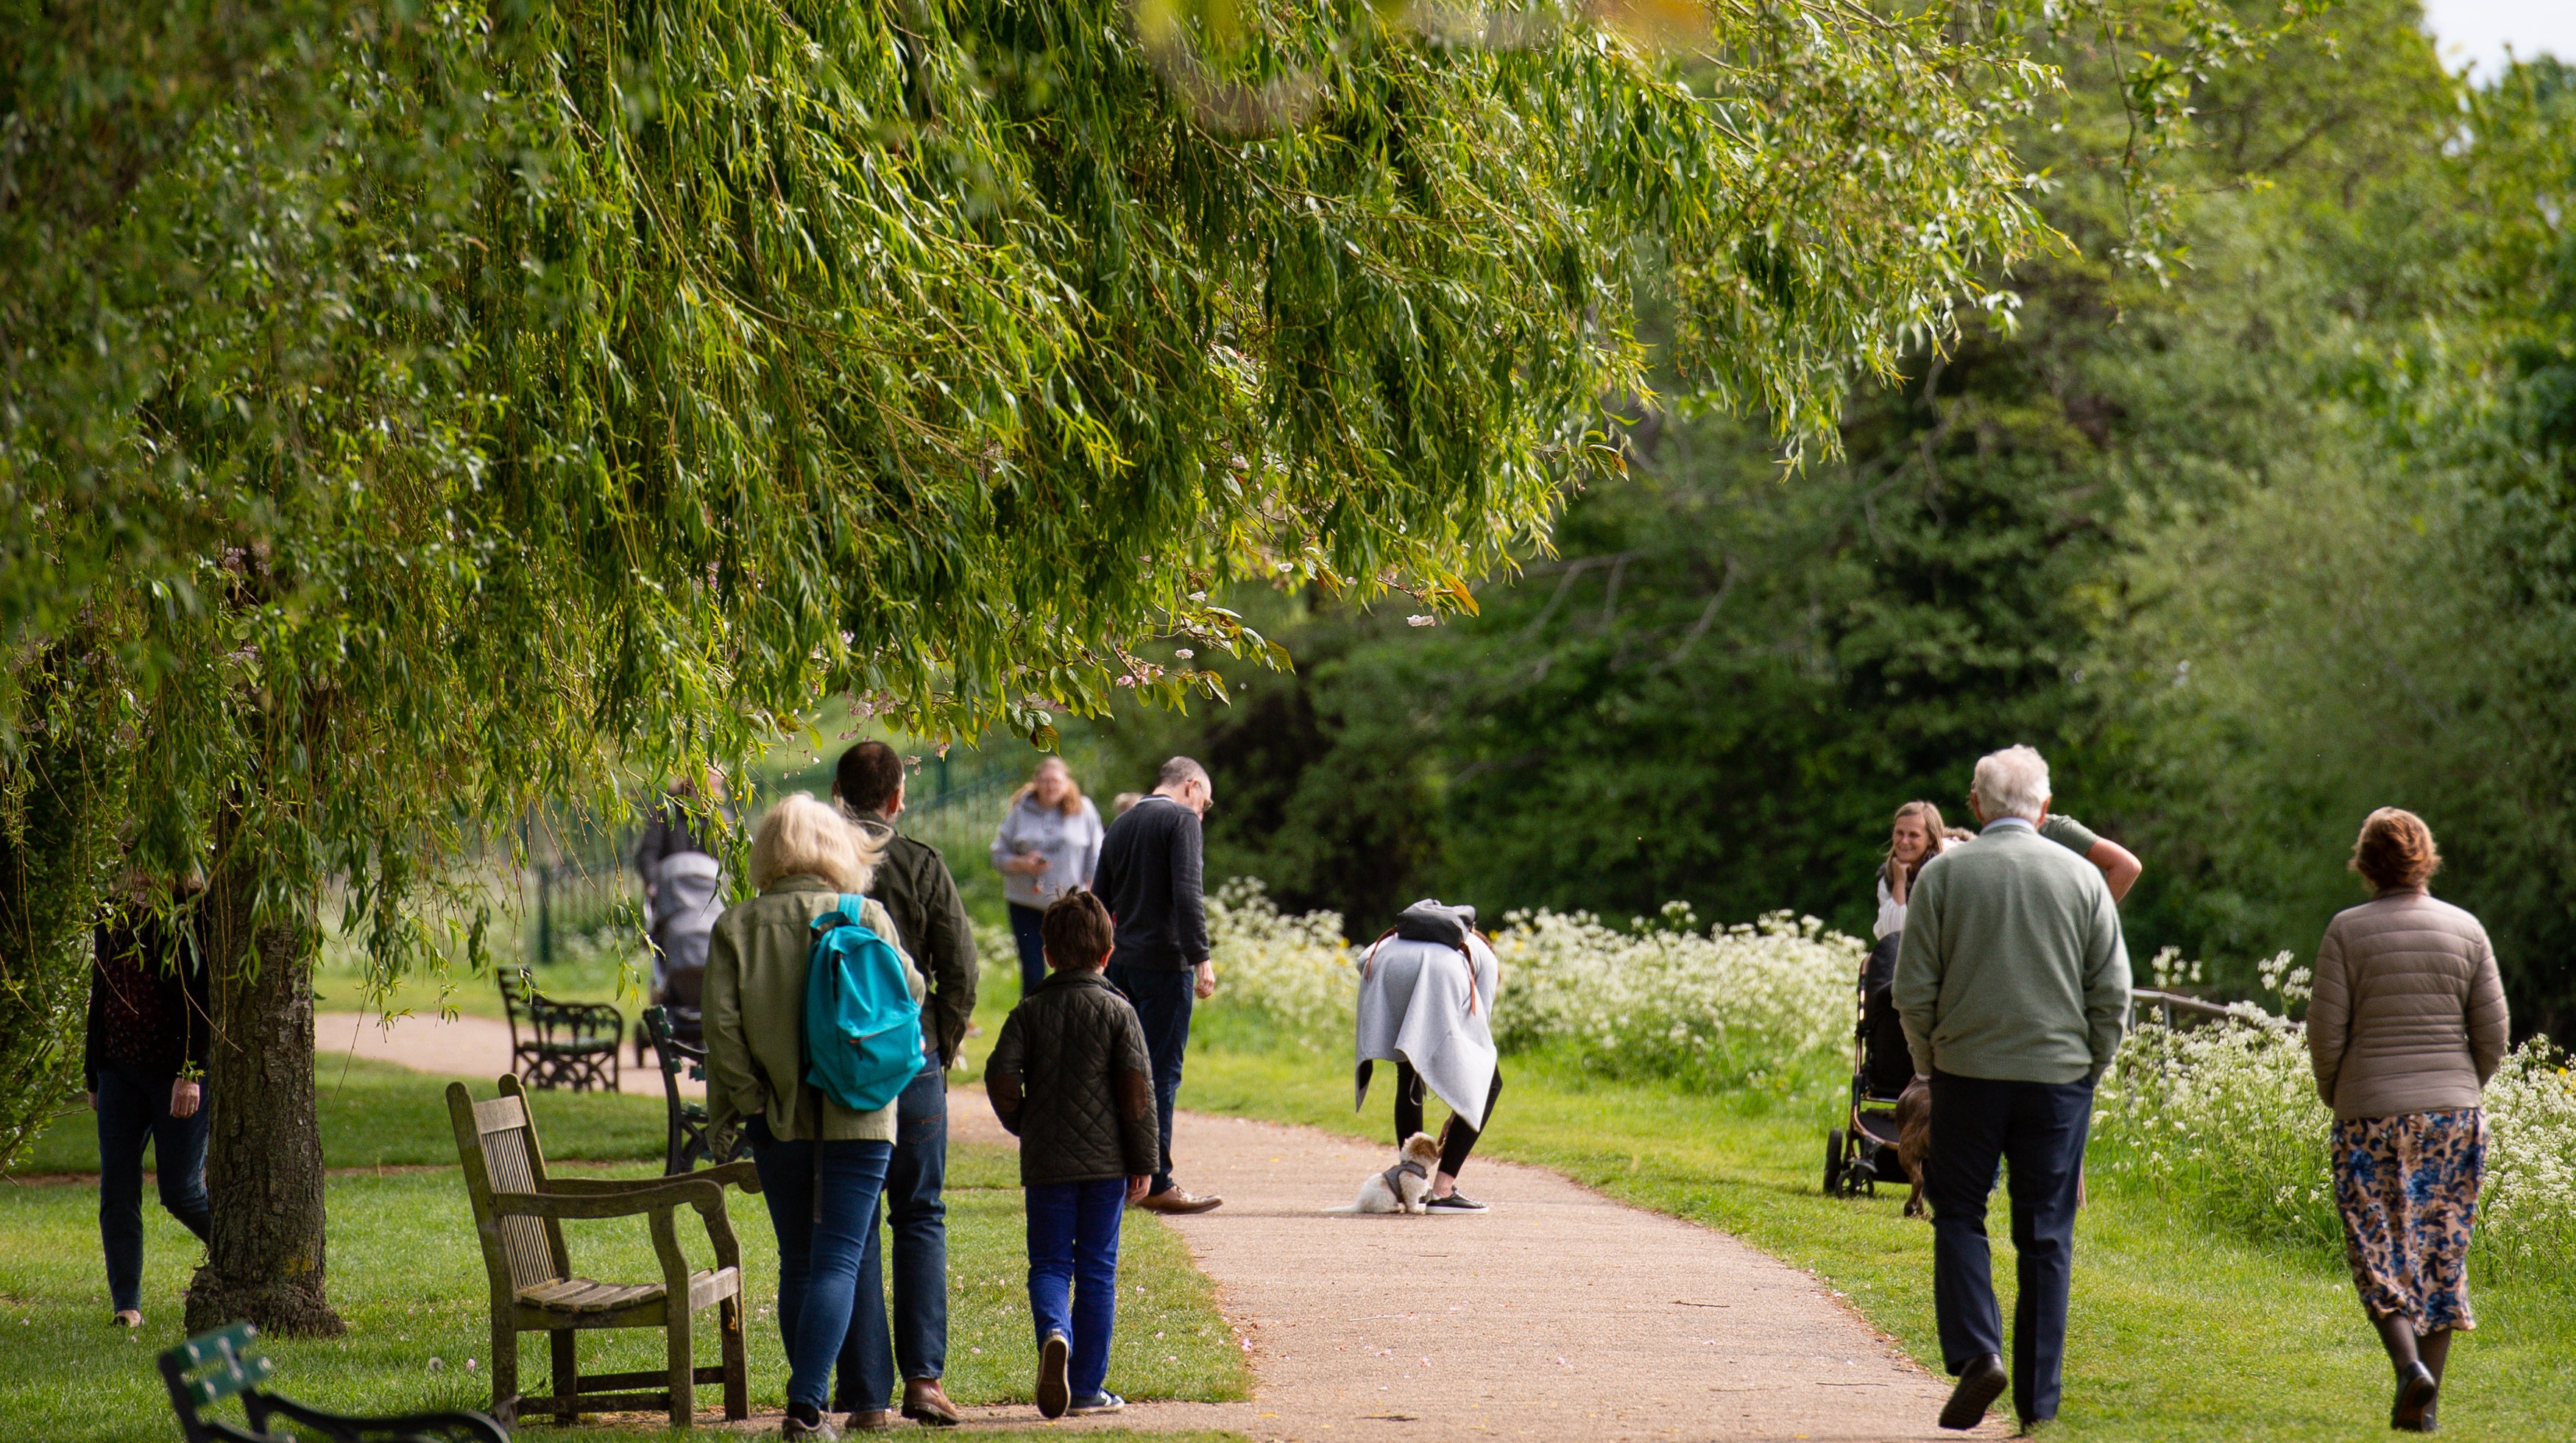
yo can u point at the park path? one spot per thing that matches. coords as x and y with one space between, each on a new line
1560 1314
475 1047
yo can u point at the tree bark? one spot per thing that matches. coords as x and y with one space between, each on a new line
264 1264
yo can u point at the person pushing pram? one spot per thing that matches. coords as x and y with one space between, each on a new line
1427 989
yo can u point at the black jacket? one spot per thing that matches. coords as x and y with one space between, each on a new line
1149 878
916 888
1069 1078
147 1000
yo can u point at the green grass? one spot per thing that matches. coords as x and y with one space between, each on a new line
378 1115
585 973
407 1276
2176 1333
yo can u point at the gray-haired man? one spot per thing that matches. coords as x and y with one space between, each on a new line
2014 989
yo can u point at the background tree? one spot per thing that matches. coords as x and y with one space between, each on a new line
451 410
2249 543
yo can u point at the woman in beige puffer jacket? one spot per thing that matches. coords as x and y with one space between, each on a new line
2407 1025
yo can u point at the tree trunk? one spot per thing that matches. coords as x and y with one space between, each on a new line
264 1154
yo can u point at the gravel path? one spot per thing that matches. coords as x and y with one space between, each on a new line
1559 1314
475 1047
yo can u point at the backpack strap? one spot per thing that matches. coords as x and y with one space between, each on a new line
1369 958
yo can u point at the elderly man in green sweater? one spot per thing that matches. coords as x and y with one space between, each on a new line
2013 984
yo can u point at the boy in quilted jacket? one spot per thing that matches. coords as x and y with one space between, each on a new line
1069 1077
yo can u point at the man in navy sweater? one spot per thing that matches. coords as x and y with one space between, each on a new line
1149 876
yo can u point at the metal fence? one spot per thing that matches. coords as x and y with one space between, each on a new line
579 880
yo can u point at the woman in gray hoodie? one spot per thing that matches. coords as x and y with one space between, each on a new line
1048 845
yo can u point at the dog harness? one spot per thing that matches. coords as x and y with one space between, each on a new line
1406 1168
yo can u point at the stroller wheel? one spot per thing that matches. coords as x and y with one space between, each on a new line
1833 1162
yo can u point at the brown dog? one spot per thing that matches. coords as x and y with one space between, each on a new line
1914 1138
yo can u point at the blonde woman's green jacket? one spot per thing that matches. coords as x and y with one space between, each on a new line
755 1014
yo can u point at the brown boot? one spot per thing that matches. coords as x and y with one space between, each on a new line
926 1403
870 1420
1173 1200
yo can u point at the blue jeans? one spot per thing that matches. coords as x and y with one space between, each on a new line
1073 1270
914 1177
1024 931
2040 1127
134 1108
1163 997
821 1196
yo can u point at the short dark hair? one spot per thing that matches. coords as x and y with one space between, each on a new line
1179 770
868 776
1077 931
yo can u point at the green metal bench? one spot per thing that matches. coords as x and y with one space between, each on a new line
206 1370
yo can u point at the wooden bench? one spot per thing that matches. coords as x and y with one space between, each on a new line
206 1370
519 1213
690 1140
571 1045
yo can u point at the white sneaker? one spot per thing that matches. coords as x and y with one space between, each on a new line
1101 1402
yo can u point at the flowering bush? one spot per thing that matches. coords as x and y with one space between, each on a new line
1296 971
1729 1004
1659 998
2225 1119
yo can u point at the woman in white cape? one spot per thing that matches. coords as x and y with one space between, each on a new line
1426 1004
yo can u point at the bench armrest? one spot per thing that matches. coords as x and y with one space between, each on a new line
461 1427
736 1174
661 1196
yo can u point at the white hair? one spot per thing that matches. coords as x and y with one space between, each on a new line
802 836
2011 783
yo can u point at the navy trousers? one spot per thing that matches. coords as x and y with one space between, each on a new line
1026 935
134 1109
1073 1272
1163 997
2039 1127
918 1341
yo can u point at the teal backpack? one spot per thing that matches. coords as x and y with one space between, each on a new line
862 1028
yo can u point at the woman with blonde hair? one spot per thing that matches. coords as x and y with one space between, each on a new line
1915 837
1048 845
2405 1028
821 1165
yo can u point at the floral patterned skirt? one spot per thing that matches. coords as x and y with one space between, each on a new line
2408 1190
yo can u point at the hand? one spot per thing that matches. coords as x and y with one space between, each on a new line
1136 1186
1033 864
1206 987
93 1102
183 1097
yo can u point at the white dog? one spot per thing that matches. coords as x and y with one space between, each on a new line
1401 1188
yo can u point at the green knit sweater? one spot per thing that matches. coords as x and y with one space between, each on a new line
2012 966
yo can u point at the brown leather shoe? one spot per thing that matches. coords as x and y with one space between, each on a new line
926 1403
870 1420
1174 1200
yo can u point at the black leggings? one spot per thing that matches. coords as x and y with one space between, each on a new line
1457 1139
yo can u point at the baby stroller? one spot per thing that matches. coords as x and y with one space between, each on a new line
1863 1149
686 904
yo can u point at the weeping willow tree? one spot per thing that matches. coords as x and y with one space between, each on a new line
428 410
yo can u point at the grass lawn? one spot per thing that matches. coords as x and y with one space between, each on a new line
2176 1333
375 1114
408 1277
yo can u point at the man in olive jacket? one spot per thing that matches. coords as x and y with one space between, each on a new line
1070 1077
2013 985
914 885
